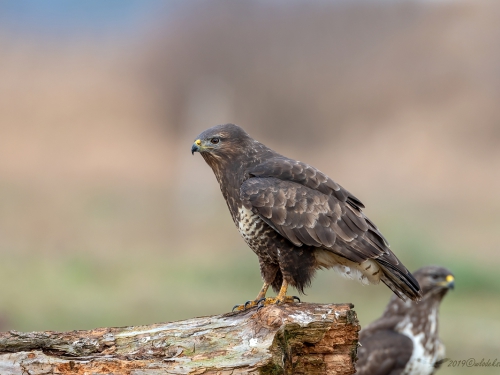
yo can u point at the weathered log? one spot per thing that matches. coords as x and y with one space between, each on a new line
289 339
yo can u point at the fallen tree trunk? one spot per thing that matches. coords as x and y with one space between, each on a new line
289 339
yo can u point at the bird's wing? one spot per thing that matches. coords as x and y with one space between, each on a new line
310 217
383 352
308 208
292 170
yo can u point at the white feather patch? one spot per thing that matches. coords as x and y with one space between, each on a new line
366 273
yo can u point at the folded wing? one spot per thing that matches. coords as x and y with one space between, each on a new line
309 208
309 217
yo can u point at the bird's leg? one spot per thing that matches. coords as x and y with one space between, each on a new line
260 297
262 301
280 298
263 291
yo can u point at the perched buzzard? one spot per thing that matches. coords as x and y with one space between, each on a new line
404 341
297 219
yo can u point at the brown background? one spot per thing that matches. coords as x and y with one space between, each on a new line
106 219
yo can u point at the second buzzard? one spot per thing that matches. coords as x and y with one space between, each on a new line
405 339
297 219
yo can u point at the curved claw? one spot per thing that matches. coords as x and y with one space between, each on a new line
246 304
260 304
260 300
235 306
296 298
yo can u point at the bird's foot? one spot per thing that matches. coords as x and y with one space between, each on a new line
260 303
276 301
247 305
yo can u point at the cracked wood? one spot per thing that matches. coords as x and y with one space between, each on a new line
297 339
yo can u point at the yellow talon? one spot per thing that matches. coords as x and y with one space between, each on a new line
262 301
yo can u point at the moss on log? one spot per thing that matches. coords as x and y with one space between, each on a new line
300 338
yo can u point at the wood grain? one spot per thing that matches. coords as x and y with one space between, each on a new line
297 338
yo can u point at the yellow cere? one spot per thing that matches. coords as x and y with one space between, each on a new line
450 278
198 142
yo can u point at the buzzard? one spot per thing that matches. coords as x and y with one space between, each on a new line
296 218
404 341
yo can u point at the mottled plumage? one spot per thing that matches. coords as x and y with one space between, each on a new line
296 218
405 340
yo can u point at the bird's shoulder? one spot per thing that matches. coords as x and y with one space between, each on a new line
286 169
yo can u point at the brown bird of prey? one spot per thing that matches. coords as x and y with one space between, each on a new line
405 341
296 218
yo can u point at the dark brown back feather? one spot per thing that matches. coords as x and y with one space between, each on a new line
309 208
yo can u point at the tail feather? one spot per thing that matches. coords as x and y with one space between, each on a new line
400 281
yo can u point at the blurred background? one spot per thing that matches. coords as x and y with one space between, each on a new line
107 220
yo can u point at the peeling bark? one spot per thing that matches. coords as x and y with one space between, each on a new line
297 338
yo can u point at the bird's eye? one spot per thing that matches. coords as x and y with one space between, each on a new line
215 140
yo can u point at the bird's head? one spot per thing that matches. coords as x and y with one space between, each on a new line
434 280
221 141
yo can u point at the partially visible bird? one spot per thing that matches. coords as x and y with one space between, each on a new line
296 218
405 340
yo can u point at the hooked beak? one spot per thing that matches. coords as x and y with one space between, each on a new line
196 146
448 283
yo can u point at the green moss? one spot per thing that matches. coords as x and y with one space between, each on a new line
271 369
352 317
354 352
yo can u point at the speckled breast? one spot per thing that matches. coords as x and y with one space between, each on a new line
256 233
424 354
